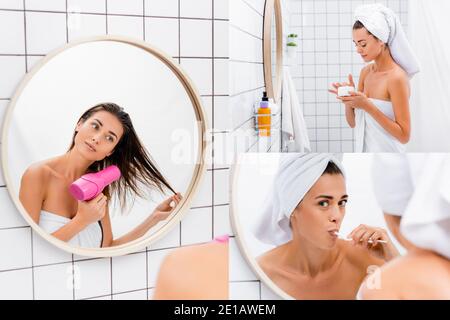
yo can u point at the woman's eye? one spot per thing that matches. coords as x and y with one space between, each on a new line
343 203
110 139
94 125
324 204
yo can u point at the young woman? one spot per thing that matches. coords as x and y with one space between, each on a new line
418 214
310 261
104 136
379 107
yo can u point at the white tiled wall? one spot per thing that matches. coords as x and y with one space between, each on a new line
195 33
326 54
246 88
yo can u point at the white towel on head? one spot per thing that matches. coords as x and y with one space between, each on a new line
384 24
296 175
417 188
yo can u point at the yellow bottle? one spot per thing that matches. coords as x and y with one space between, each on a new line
264 117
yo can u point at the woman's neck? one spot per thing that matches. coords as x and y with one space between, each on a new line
308 259
73 165
384 62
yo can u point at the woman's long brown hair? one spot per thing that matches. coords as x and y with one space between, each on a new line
130 156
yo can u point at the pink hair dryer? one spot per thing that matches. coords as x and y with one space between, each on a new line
90 185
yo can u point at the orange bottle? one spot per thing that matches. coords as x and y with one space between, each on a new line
264 117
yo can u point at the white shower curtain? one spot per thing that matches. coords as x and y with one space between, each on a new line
429 27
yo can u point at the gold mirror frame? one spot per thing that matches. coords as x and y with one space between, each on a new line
199 170
273 7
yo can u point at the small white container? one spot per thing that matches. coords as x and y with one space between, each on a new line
345 91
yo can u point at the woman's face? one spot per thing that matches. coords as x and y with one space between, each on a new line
367 45
319 215
98 135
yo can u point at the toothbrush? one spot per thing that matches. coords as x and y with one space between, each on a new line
347 239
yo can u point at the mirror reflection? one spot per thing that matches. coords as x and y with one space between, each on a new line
102 144
319 233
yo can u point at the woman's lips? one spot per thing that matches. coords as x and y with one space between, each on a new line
90 146
333 233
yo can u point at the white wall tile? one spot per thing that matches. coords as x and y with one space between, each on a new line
222 223
13 69
221 81
221 9
135 295
196 38
10 215
54 282
129 272
221 187
87 6
94 278
126 26
45 31
47 5
134 7
204 194
16 285
268 294
162 33
155 258
196 8
200 71
87 25
12 37
167 8
196 226
11 4
46 253
244 291
221 29
17 251
239 269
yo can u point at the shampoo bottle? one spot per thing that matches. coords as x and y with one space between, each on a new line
264 117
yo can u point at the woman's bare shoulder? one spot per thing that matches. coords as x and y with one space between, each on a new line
39 172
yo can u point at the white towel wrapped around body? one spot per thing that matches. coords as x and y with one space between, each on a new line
384 24
417 188
296 175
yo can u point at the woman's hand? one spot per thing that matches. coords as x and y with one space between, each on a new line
356 100
166 207
337 85
370 237
91 211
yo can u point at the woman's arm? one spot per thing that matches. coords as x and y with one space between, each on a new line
31 196
399 92
159 214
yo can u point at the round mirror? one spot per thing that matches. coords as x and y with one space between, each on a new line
103 146
273 49
293 215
